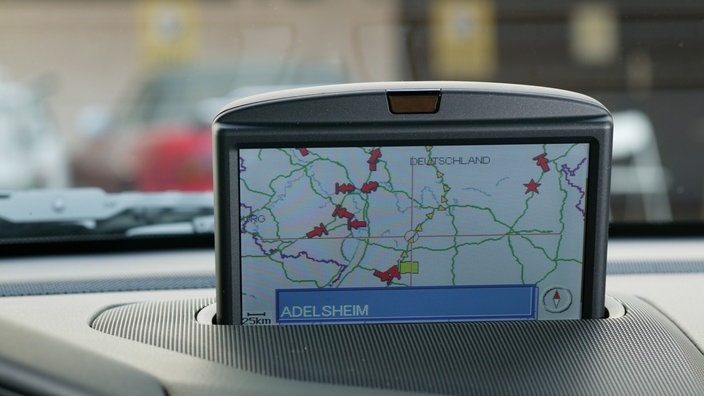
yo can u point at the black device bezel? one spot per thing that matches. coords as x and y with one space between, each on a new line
424 129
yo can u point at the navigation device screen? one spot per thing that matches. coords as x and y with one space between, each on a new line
412 233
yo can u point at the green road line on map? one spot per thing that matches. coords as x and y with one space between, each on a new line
554 268
532 231
456 250
542 249
286 274
553 259
254 256
334 226
277 224
287 153
396 249
347 173
562 216
359 266
310 181
566 153
491 213
282 246
435 250
313 187
513 253
248 188
492 239
283 176
525 209
385 170
562 207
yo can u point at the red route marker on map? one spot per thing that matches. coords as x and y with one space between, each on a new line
317 231
393 271
342 212
532 186
304 151
383 276
344 188
388 275
369 187
355 224
542 162
374 156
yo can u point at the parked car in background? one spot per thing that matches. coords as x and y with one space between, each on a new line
32 154
162 141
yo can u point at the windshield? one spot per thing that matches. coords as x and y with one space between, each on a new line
110 102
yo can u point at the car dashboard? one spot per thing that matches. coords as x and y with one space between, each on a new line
140 323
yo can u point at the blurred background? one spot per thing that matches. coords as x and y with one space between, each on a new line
120 94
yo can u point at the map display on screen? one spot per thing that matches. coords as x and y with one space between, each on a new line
412 233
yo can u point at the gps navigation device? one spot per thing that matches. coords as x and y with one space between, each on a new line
411 202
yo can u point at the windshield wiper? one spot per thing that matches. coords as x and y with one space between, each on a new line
92 211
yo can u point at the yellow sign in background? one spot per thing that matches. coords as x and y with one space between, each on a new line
168 31
462 39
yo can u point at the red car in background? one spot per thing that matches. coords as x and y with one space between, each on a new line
164 140
175 158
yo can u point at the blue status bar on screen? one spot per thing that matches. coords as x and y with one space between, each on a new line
406 304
